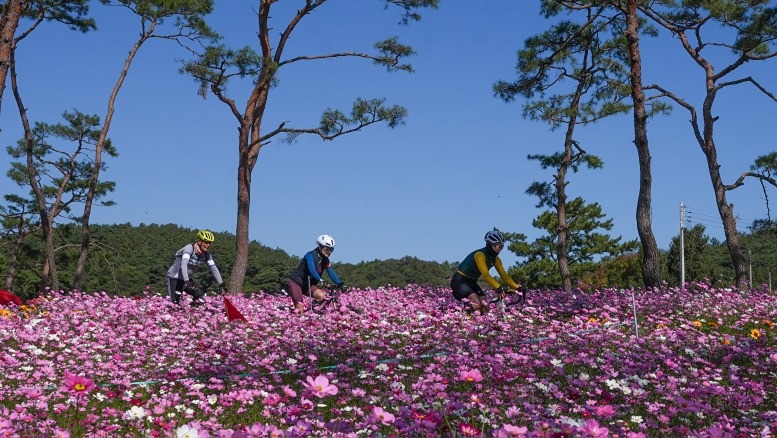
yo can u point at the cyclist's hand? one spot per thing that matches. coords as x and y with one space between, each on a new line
500 292
222 289
190 286
326 286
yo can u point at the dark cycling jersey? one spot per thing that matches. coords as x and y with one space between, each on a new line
312 266
478 263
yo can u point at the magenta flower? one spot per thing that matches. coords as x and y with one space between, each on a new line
508 430
512 412
605 411
472 375
467 429
78 384
591 428
380 416
320 386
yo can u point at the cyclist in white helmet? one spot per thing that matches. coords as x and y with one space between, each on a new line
477 263
307 276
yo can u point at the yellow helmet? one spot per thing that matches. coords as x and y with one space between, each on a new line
206 236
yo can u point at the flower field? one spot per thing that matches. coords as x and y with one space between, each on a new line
695 362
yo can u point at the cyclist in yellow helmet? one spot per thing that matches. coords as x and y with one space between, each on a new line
187 260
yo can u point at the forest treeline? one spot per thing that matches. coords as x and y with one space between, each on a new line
128 260
585 66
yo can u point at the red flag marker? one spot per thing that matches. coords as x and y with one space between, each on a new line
9 298
232 312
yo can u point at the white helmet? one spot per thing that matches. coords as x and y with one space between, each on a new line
494 237
326 240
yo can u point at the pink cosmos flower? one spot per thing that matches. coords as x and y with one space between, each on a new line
591 428
320 386
306 404
605 411
381 416
467 429
288 391
78 384
508 430
472 375
512 412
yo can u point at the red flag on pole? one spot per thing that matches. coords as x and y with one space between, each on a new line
9 298
232 312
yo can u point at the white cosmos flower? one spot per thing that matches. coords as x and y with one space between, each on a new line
135 413
186 431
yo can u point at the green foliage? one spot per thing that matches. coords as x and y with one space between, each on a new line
61 161
397 272
72 13
584 243
188 14
391 52
755 21
127 260
217 64
573 60
697 263
409 6
363 113
707 259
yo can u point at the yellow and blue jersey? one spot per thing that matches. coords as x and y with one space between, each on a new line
477 264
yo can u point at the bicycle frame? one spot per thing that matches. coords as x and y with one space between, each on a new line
332 299
505 303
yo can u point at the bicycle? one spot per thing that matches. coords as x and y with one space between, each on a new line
331 301
500 302
197 292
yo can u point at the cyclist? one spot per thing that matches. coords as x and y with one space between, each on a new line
464 282
307 276
187 260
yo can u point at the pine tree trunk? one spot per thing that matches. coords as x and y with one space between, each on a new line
237 276
725 209
650 254
8 24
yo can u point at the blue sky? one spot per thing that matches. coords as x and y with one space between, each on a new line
430 188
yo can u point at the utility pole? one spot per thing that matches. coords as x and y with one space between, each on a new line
682 245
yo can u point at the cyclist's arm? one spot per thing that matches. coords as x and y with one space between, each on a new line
506 278
480 262
312 267
332 275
